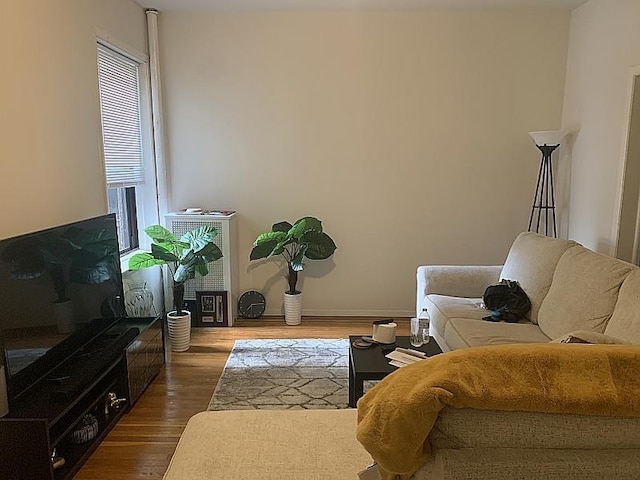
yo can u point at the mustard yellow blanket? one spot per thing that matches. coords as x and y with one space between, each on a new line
396 416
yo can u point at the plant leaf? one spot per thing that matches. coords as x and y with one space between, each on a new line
171 246
210 253
160 252
304 225
283 227
188 258
279 248
159 234
184 273
297 262
201 267
319 245
200 237
262 250
269 236
144 260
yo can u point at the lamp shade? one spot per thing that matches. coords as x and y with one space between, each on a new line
548 137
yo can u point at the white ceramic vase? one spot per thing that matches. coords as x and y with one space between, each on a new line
293 308
138 300
179 327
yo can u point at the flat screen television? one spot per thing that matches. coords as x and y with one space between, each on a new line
59 289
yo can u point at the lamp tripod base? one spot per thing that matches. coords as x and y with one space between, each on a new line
543 210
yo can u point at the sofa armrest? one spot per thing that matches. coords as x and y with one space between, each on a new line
455 281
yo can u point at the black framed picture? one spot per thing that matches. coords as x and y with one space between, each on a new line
211 309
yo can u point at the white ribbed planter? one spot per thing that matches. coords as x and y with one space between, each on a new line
293 308
179 327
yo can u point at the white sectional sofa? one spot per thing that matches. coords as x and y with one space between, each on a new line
573 291
570 287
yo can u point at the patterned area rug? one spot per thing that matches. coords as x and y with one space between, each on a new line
284 374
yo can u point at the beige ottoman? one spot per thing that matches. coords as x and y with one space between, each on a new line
269 445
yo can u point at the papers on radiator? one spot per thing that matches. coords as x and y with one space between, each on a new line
401 357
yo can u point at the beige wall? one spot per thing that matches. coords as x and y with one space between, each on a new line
604 46
52 171
406 133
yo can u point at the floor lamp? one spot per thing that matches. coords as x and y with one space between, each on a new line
544 202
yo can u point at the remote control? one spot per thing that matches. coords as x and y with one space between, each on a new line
415 353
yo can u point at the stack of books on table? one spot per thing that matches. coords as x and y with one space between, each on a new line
401 357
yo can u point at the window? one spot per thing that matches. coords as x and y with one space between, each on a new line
122 202
119 81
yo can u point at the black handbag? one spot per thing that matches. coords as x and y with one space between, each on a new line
506 301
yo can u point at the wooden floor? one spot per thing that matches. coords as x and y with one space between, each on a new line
141 445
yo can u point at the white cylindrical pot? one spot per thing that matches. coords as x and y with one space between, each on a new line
293 308
179 327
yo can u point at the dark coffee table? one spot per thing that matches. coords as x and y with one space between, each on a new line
371 363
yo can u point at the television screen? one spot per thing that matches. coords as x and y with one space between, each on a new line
58 289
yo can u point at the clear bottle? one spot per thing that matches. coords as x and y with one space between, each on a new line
416 337
424 320
138 300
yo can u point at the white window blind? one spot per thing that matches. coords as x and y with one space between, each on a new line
120 112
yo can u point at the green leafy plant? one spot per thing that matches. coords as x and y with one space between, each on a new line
186 256
303 239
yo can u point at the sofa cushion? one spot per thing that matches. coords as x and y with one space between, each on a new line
472 428
531 261
443 308
464 333
509 463
269 445
583 293
625 321
593 338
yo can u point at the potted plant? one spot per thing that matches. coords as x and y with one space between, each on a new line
294 243
185 257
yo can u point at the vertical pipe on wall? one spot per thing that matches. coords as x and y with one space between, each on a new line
157 114
162 186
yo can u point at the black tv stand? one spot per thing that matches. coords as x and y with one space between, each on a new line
43 418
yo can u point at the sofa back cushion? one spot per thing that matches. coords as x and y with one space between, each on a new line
532 261
583 293
625 321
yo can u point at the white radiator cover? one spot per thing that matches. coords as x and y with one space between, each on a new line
223 273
